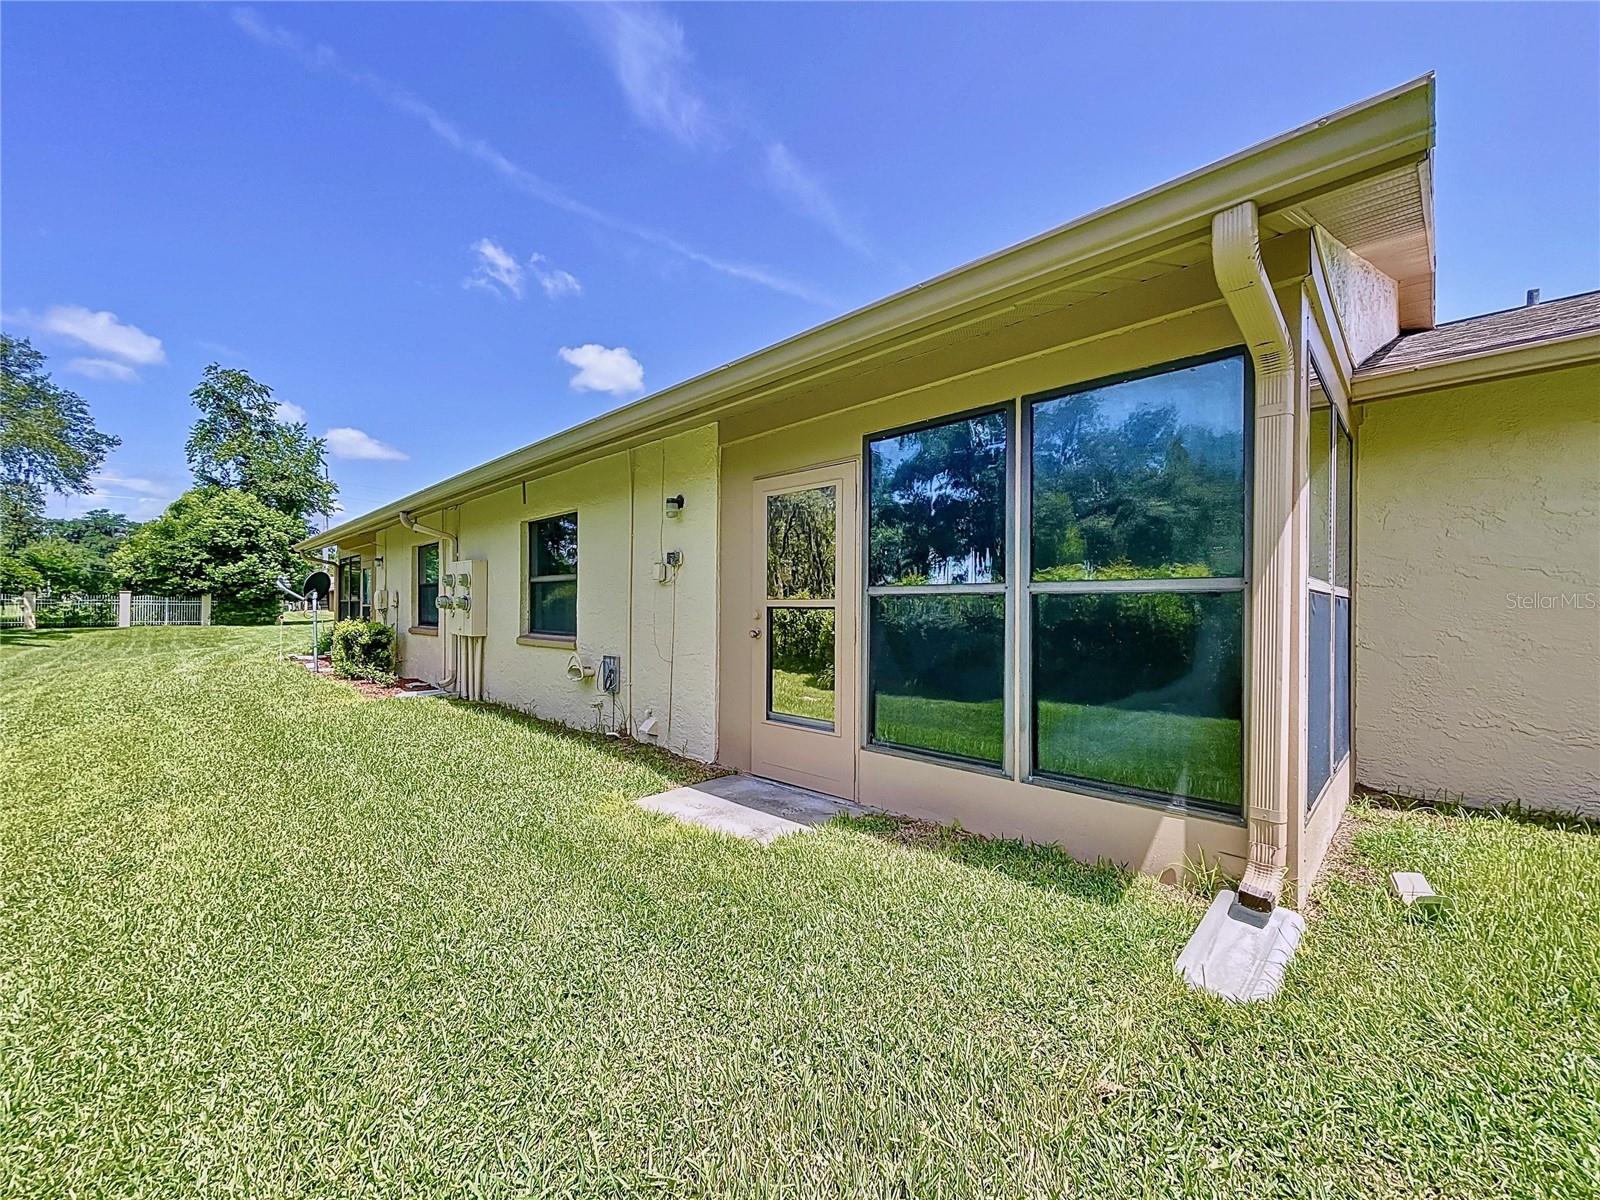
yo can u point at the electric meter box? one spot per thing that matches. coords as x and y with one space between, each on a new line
466 582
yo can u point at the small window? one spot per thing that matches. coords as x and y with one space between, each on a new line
553 576
936 537
428 585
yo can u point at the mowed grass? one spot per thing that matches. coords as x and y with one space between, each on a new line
262 937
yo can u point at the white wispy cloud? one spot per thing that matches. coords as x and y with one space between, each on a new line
345 442
319 56
497 271
809 196
603 369
651 60
555 282
100 331
653 65
102 368
290 414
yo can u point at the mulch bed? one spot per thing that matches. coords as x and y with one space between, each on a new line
406 686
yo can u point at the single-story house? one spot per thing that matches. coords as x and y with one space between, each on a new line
1149 536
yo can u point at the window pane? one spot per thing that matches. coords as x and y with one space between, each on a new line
555 607
938 504
1320 451
1341 678
428 584
937 670
800 664
800 549
1341 530
1141 691
1142 479
555 545
1319 663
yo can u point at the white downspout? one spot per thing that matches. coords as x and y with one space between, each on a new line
448 683
1236 259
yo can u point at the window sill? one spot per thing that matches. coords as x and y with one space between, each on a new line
1174 805
549 641
424 630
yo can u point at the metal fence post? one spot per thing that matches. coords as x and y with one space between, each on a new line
205 608
30 618
124 608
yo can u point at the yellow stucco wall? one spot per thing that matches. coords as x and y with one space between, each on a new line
1477 605
667 638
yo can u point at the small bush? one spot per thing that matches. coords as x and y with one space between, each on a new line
363 650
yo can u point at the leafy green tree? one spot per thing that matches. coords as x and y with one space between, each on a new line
65 567
239 443
99 531
48 441
17 576
219 540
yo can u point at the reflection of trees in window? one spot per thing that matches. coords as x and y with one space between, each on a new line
800 544
1138 492
938 504
1143 479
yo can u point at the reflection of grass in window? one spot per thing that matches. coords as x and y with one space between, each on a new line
1168 753
965 728
795 694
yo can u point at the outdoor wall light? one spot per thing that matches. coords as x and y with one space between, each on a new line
674 505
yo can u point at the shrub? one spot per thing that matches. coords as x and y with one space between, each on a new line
363 650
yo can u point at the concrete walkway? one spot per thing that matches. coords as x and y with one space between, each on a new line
744 806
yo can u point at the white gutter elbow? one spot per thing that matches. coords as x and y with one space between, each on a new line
1236 259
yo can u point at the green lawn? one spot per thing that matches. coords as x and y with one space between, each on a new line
262 937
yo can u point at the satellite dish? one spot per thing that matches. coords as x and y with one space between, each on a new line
317 586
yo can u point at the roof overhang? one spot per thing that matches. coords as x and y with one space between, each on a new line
1340 171
1547 354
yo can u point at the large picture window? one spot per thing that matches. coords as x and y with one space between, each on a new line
1329 451
428 585
936 587
553 576
1136 592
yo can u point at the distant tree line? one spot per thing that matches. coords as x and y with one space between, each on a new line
258 481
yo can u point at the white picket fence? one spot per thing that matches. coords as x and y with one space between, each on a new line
44 610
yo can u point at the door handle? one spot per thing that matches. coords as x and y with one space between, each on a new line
755 633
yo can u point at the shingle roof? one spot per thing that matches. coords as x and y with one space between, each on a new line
1488 333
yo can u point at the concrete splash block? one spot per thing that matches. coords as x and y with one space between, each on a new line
1238 953
743 806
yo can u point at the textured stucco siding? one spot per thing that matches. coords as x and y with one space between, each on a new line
665 632
1367 300
1478 593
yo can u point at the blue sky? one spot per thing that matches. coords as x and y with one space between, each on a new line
444 231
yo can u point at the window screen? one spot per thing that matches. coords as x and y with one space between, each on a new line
553 576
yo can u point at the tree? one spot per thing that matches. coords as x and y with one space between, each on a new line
66 567
17 576
48 441
99 531
219 540
239 443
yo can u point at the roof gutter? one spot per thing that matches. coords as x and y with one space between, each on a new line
1236 259
1357 142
